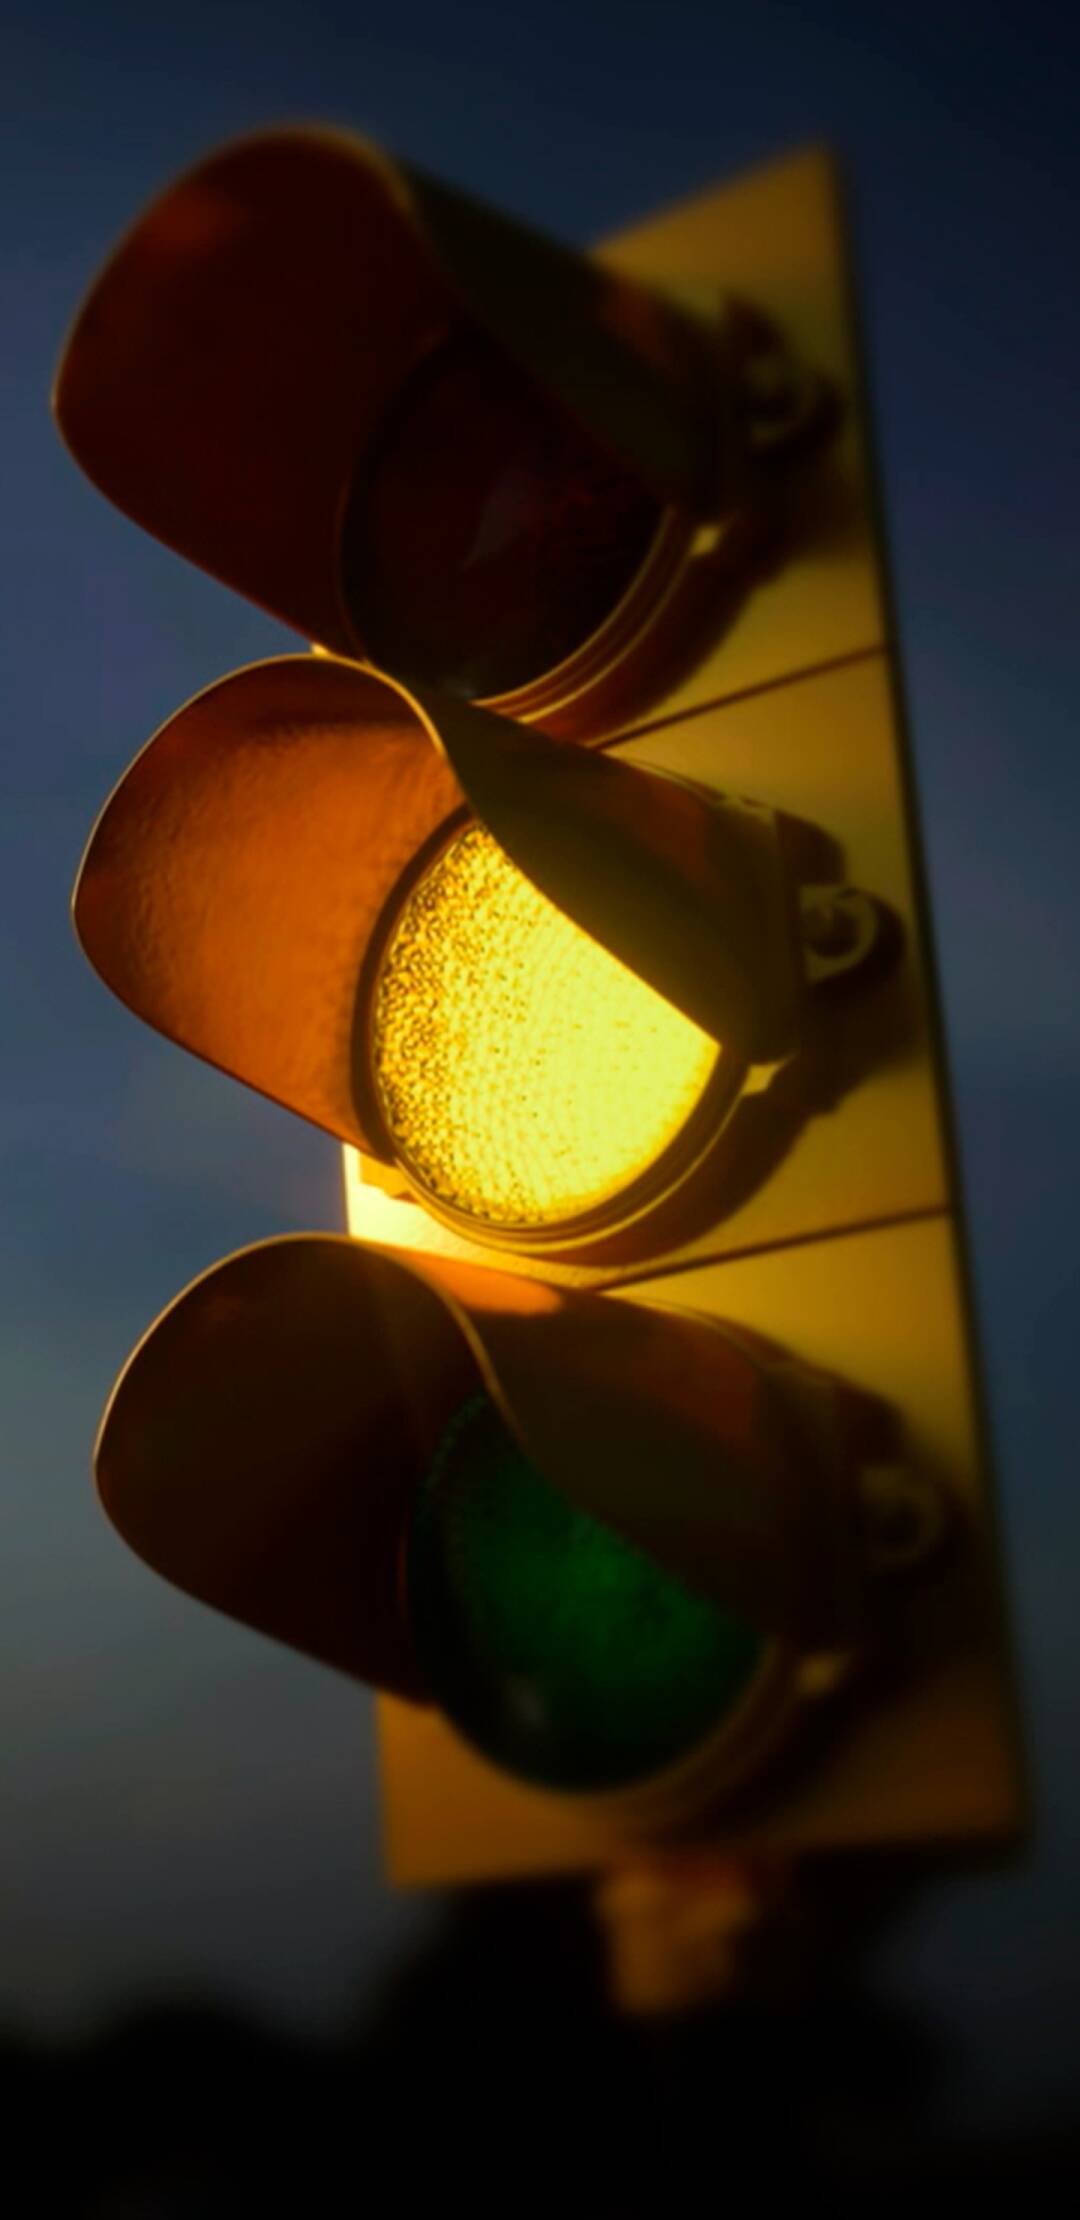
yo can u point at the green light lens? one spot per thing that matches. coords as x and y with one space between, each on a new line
564 1654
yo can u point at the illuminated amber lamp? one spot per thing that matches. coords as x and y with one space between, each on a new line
532 977
414 429
525 1077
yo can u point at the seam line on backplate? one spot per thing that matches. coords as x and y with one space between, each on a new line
747 693
770 1248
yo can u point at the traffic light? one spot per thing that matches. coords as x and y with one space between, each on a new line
444 1479
629 1443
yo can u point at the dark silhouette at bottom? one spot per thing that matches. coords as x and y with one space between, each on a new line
492 2069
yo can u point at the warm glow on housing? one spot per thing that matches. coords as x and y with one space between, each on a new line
525 1076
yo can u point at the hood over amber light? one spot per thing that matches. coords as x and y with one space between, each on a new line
235 886
264 1443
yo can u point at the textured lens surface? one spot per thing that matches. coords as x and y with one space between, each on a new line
525 1075
561 1652
487 536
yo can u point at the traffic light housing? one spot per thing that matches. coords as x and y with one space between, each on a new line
483 908
444 1480
592 926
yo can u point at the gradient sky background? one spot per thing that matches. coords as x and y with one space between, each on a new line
184 1806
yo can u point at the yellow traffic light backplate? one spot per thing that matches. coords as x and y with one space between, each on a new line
828 1217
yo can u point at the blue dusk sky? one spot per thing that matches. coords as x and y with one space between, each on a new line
186 1807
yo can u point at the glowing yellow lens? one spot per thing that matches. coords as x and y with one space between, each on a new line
525 1075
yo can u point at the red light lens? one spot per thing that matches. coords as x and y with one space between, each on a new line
487 537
